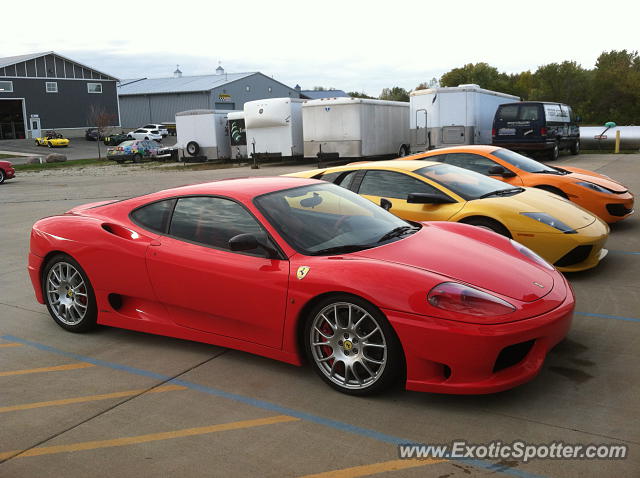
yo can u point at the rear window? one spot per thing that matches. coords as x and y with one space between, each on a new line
154 216
517 112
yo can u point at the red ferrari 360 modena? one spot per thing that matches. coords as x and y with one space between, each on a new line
288 267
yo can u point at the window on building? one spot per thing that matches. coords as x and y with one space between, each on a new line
270 89
247 88
51 86
6 86
94 87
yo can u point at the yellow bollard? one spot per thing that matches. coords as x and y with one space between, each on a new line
617 150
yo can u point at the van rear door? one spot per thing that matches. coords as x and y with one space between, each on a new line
519 123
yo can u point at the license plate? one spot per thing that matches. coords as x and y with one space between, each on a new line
507 131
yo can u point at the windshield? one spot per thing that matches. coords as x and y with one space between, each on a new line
522 162
466 184
324 219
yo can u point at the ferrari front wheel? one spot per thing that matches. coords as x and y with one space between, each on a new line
352 346
69 295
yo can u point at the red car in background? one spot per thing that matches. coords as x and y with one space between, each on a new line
290 267
6 171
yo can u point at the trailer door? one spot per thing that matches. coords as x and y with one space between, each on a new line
421 127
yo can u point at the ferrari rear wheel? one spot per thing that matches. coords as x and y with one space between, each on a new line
352 346
69 295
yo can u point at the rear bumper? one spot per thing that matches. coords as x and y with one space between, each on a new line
452 357
10 173
538 146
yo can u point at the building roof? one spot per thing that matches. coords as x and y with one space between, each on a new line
14 60
183 84
318 94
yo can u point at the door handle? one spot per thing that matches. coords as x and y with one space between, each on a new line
155 243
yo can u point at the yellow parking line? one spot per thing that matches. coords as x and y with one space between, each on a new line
90 398
10 344
92 445
375 468
71 366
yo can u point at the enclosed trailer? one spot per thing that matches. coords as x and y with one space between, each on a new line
355 128
451 116
237 134
202 134
274 128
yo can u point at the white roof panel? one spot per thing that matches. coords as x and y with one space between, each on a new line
184 84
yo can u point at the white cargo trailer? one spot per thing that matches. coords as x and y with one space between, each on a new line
355 128
451 116
237 134
274 128
202 134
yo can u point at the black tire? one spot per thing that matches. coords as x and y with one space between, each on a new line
554 153
146 138
37 143
404 151
553 190
49 145
193 148
2 176
392 356
88 321
137 158
575 147
129 136
488 223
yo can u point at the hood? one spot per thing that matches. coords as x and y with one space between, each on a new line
599 179
470 255
538 200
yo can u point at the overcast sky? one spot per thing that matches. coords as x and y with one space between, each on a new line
349 45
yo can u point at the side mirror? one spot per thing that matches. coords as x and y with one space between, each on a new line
428 198
243 242
385 204
500 171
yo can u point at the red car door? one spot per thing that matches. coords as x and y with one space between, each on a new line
208 287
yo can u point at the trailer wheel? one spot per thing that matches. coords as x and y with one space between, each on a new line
193 148
403 151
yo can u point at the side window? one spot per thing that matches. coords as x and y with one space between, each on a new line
393 185
213 221
441 158
529 113
330 177
473 162
340 178
154 216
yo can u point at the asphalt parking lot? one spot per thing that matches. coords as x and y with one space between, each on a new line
79 148
121 403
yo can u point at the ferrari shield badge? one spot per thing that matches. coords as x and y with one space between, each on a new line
302 272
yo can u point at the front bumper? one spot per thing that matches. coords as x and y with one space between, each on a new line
10 173
567 251
613 207
459 358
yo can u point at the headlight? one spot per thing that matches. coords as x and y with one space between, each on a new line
525 251
593 187
549 220
463 299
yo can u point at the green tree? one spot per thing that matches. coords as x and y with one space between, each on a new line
359 94
615 92
482 74
394 94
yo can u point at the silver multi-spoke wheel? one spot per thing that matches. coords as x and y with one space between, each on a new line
348 345
66 293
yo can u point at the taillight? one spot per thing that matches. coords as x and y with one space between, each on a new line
543 131
493 131
463 299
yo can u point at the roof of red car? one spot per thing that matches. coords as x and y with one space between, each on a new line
244 188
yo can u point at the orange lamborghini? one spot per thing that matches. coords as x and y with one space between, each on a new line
601 195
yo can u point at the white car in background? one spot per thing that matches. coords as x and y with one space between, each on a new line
162 129
145 133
